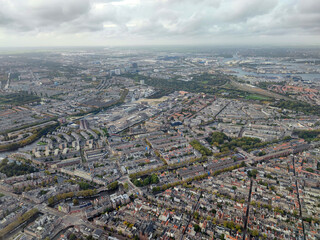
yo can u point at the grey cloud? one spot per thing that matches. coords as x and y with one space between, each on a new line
43 15
59 10
161 19
241 10
309 6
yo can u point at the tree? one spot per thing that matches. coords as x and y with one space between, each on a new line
262 153
156 189
252 173
197 228
15 169
238 227
146 181
51 201
229 224
75 202
310 170
154 179
202 149
84 185
113 185
255 233
72 236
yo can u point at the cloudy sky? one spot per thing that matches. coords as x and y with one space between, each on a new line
158 22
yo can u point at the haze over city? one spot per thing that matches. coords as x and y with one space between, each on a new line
37 23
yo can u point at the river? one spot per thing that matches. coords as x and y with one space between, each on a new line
26 148
305 76
276 64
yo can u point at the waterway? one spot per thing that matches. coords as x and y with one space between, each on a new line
85 200
305 76
306 71
26 148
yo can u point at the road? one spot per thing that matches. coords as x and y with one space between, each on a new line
298 196
247 212
216 115
191 216
8 82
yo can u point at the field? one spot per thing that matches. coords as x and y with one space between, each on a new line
153 102
257 91
257 97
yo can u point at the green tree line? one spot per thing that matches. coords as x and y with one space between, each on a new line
62 196
35 136
196 178
308 135
202 149
26 216
298 106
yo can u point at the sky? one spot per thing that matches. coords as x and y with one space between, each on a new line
33 23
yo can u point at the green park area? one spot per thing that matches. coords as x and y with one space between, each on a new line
19 98
257 97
